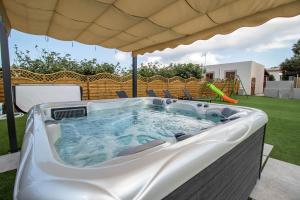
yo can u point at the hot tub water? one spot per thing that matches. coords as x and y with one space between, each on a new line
103 134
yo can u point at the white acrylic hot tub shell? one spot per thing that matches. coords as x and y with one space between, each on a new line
150 174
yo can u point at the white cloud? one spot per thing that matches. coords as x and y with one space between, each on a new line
153 59
276 43
203 58
277 33
122 56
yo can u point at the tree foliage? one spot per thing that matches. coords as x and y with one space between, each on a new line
185 70
291 66
50 62
271 77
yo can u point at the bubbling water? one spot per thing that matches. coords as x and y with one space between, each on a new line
102 135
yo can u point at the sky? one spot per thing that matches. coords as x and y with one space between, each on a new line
268 44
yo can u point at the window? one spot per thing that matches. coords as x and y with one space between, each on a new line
210 76
230 75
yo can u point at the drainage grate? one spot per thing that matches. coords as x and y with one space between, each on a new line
68 112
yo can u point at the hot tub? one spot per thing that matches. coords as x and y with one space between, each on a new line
140 148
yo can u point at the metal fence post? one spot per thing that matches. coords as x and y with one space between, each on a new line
11 127
134 76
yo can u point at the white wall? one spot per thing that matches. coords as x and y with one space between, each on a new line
258 72
245 70
277 75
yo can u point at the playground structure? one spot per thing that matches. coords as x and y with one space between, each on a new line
221 94
243 88
212 89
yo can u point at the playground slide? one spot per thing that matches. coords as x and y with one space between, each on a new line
221 94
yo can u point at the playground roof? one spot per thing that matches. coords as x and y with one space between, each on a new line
140 26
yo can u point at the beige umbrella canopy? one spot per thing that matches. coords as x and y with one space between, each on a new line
140 26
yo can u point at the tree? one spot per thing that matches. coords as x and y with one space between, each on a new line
187 70
148 69
271 77
296 48
291 66
50 62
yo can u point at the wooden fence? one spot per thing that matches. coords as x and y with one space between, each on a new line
297 82
104 85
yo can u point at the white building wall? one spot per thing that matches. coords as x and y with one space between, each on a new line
243 70
277 75
258 72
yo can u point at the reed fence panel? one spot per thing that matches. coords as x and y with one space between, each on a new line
176 86
142 86
194 87
158 86
127 87
104 85
1 91
297 82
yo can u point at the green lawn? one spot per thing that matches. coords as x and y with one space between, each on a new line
283 131
7 179
20 126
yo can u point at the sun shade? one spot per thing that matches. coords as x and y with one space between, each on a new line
141 26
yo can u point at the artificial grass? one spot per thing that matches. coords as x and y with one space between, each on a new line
20 127
7 180
283 131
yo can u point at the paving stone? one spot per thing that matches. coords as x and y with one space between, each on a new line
264 159
267 149
9 162
279 181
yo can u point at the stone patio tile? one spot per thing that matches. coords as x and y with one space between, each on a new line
279 181
9 162
267 149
